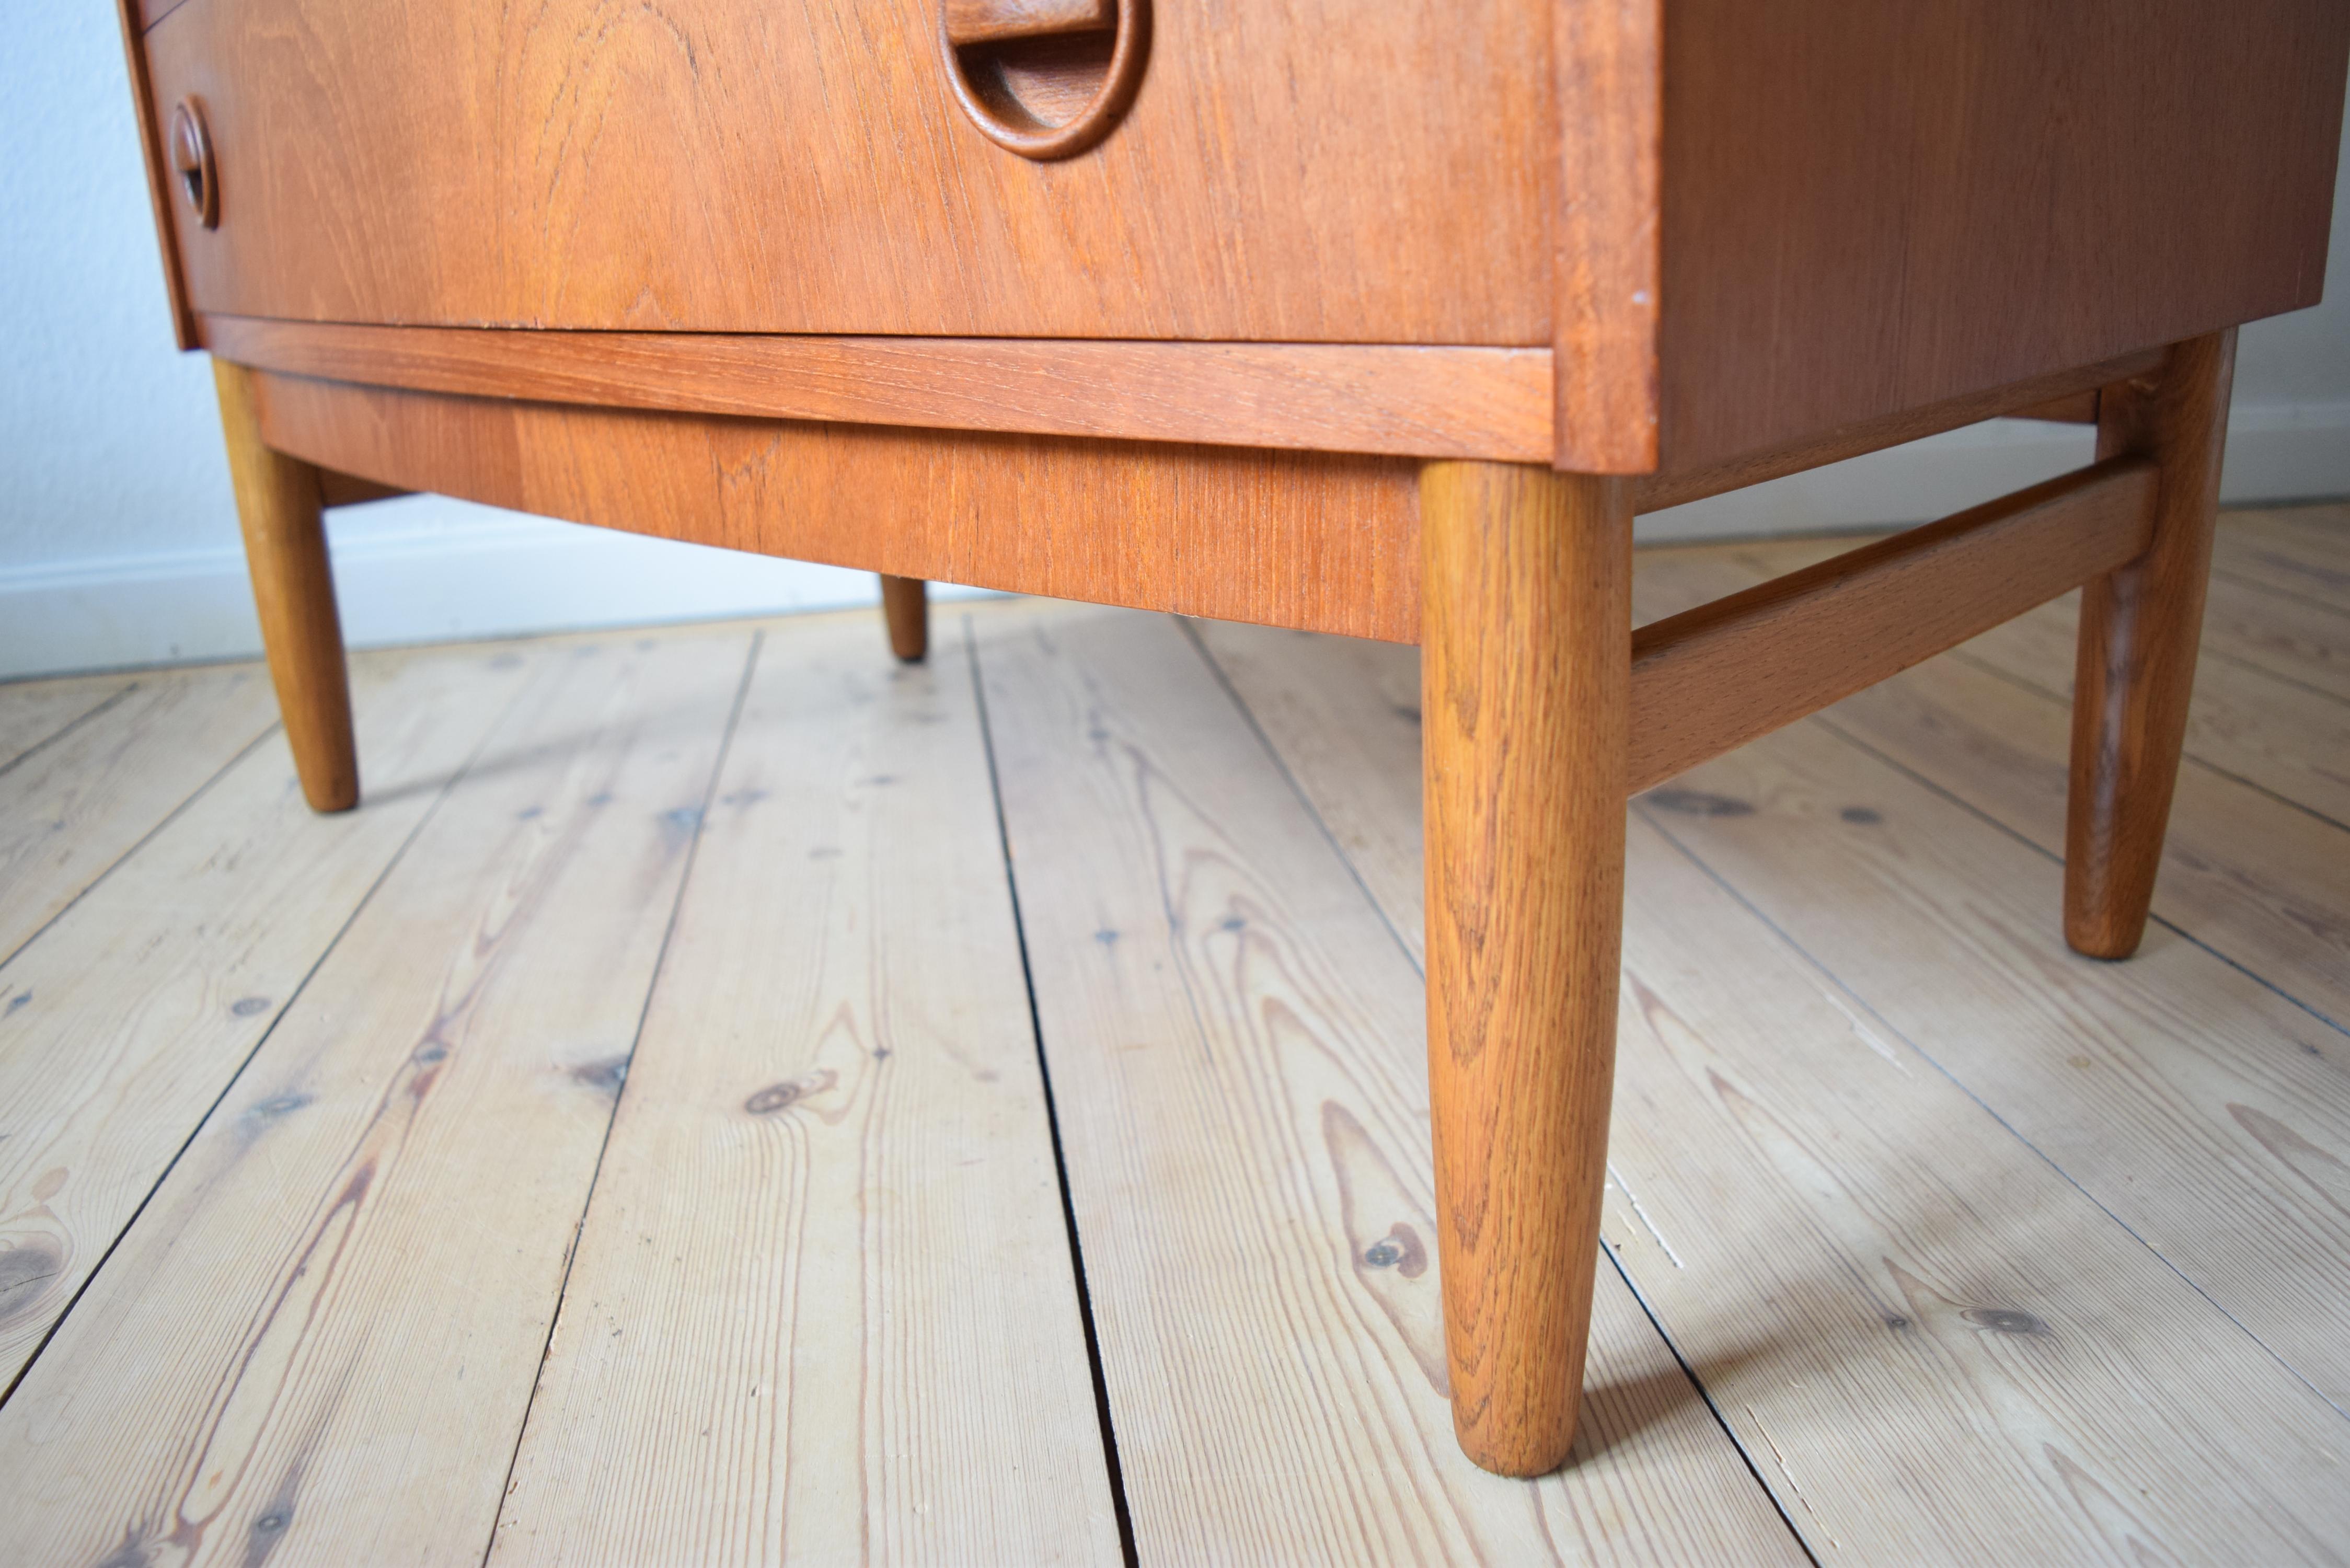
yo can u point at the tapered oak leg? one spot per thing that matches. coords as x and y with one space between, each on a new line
2139 630
278 501
905 603
1525 671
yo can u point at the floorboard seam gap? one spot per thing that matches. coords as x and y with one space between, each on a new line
636 1038
2129 1229
68 728
1713 1409
141 842
1298 789
2265 673
2254 584
391 863
2188 754
2153 917
1053 1118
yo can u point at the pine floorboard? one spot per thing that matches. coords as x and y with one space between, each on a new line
41 711
2295 550
725 1098
1235 1041
377 1216
1776 1141
124 1021
70 809
823 1308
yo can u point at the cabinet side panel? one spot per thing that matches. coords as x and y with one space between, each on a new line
159 186
1870 207
1604 270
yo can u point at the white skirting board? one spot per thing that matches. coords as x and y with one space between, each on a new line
426 569
418 569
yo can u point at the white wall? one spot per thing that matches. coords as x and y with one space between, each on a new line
119 543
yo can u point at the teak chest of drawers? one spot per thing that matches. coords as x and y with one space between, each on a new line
1377 317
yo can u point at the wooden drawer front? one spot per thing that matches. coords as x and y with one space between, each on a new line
1337 171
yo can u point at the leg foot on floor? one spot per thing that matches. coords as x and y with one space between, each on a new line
2140 626
904 604
1526 682
278 505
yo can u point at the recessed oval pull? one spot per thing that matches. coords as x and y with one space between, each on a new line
988 21
192 159
1045 79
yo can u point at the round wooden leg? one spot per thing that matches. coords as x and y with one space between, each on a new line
2140 629
1525 678
905 603
277 501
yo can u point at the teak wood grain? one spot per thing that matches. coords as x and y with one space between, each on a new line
2079 409
1679 485
1525 677
2141 629
1236 1052
378 1215
1870 208
1395 398
1294 538
1607 68
1327 397
1817 225
823 1306
123 1021
712 167
1326 543
1719 675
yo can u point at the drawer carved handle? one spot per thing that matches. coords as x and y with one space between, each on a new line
1045 78
192 156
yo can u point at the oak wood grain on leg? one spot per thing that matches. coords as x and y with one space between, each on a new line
905 605
2139 630
278 503
1526 682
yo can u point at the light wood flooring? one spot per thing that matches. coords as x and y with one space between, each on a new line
725 1098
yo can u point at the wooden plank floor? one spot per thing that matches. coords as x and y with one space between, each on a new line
728 1099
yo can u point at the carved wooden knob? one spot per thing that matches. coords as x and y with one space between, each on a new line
1045 78
192 156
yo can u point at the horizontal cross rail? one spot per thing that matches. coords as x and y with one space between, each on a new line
1720 675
